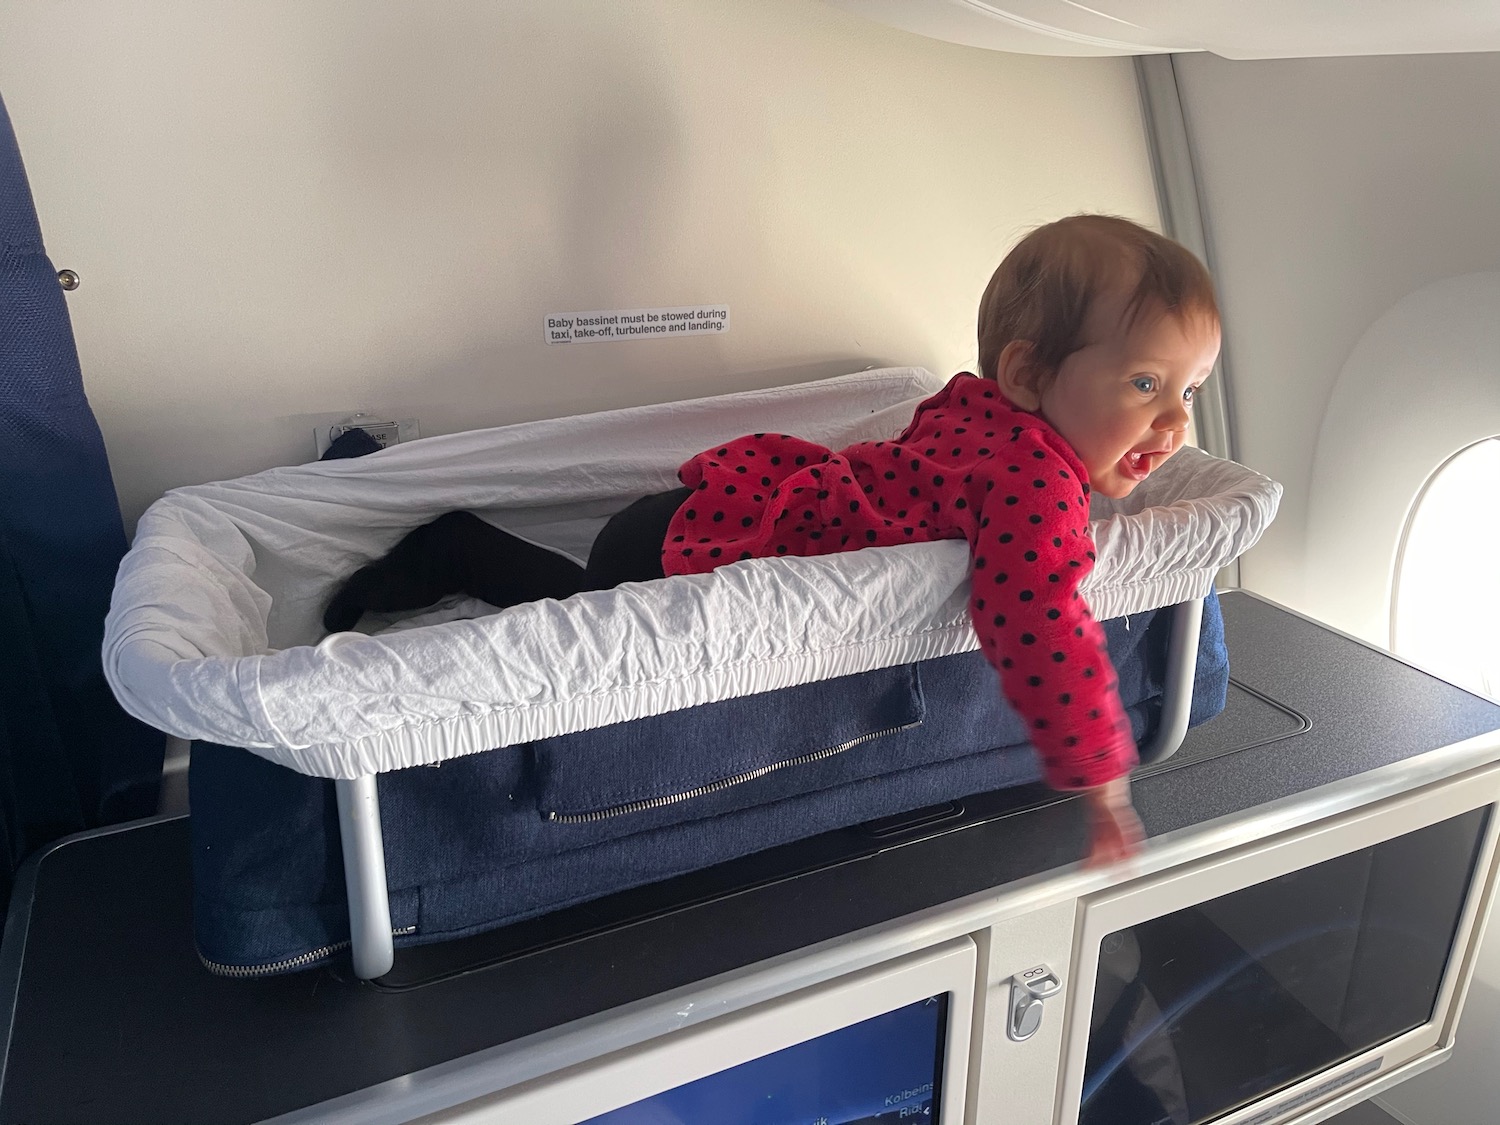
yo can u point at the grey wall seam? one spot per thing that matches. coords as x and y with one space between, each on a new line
1182 217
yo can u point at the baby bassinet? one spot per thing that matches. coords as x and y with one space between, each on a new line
606 701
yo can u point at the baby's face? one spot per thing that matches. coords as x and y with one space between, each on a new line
1124 400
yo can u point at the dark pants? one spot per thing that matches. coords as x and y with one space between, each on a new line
461 554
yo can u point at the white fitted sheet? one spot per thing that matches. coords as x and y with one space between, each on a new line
214 629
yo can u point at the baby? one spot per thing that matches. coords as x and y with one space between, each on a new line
1094 336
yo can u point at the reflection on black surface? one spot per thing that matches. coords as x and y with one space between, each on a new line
1203 1010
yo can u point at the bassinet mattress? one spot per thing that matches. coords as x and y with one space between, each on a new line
214 632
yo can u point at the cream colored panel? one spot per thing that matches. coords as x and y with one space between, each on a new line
1268 29
282 209
1017 1082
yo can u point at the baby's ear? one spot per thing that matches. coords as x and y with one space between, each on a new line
1017 375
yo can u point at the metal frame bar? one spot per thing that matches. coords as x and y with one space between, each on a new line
1177 690
1182 218
371 940
370 936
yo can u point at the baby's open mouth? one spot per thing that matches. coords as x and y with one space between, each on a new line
1138 466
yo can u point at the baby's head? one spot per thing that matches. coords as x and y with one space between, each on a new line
1106 330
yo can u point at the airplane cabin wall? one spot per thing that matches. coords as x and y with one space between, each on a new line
1352 217
284 211
1353 213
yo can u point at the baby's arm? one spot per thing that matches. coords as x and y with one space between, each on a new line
1031 550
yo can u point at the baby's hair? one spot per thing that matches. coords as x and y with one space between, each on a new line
1043 290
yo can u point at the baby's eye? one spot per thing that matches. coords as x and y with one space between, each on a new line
1144 383
1188 394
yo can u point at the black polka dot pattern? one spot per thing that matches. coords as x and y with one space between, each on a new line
1001 479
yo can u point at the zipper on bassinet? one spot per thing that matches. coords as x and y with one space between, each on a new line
302 960
646 804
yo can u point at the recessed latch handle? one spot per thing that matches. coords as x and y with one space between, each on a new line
1028 992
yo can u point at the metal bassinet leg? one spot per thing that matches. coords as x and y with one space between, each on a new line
1177 690
364 877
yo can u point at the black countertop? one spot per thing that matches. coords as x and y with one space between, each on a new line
115 1021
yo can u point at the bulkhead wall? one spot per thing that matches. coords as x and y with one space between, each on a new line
284 211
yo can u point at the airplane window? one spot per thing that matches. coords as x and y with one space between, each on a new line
1445 604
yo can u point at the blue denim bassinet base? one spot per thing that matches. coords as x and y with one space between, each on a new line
490 839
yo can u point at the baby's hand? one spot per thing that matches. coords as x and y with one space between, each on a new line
1115 831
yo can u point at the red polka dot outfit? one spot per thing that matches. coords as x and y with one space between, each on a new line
970 466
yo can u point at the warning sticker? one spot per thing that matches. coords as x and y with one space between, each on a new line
636 324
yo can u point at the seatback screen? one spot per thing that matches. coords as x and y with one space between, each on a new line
1206 1009
881 1071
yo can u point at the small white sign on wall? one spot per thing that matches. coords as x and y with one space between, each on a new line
636 324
